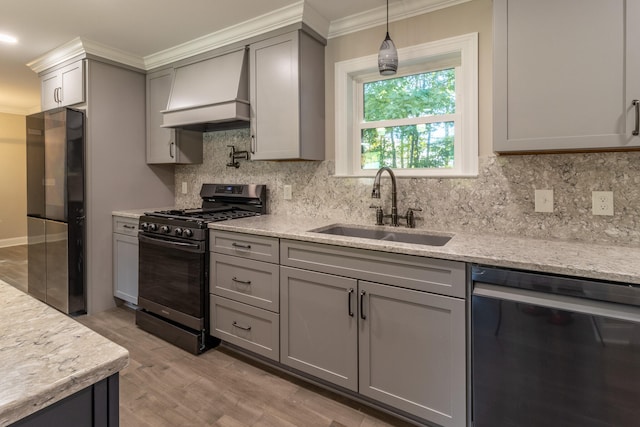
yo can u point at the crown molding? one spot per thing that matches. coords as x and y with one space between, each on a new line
397 11
80 46
288 15
293 14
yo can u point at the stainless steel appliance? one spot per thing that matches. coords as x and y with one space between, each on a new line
173 276
55 209
549 350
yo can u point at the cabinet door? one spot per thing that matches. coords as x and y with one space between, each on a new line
274 98
72 83
160 141
49 86
125 267
412 352
318 325
166 145
565 74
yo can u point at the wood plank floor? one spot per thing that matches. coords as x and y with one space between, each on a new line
166 386
13 266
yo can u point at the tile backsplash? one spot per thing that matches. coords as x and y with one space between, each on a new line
499 201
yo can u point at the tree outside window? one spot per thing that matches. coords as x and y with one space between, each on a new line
422 100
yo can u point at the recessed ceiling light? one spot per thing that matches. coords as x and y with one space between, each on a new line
5 38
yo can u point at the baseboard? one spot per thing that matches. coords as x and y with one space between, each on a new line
14 241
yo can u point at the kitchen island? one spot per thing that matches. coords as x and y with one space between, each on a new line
49 363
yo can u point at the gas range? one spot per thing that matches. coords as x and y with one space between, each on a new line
173 269
220 202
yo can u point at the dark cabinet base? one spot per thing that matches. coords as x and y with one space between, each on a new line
95 406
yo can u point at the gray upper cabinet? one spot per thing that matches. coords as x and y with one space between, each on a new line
565 75
166 145
287 98
63 86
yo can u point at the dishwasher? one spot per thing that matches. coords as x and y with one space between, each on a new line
551 350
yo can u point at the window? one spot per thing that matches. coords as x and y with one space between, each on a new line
420 122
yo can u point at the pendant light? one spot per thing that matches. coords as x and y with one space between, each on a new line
388 55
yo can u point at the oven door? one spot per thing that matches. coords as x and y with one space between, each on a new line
172 279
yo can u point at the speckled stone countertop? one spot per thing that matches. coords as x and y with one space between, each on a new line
605 262
137 213
46 356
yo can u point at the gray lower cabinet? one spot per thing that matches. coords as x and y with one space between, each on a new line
412 351
319 326
245 305
125 258
392 342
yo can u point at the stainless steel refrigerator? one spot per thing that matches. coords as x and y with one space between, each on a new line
55 209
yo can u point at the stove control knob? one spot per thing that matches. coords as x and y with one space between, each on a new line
144 226
188 233
178 231
153 227
165 229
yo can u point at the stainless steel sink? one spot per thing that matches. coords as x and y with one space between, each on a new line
416 238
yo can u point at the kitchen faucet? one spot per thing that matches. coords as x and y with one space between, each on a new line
375 193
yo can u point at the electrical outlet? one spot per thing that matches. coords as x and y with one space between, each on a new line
544 200
184 188
287 192
602 202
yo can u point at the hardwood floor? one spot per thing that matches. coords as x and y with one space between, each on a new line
166 386
13 266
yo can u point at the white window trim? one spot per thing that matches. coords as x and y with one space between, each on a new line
349 73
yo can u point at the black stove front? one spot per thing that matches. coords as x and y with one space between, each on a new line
173 271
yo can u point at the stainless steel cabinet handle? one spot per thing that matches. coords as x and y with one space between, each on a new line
238 245
130 227
244 328
636 103
362 315
56 95
253 140
171 149
244 282
350 292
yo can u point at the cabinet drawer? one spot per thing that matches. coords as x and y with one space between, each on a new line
408 271
248 327
247 281
260 248
125 225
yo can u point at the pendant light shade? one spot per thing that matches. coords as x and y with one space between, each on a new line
388 54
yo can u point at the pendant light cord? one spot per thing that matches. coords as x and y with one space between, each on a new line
387 16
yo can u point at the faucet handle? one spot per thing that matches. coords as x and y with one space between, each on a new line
379 214
411 219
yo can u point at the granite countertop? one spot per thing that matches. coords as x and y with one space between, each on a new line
573 258
46 356
137 213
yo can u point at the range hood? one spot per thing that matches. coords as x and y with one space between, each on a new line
210 95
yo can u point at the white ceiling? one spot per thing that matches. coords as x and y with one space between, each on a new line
146 27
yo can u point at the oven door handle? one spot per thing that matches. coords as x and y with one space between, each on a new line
558 302
188 247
